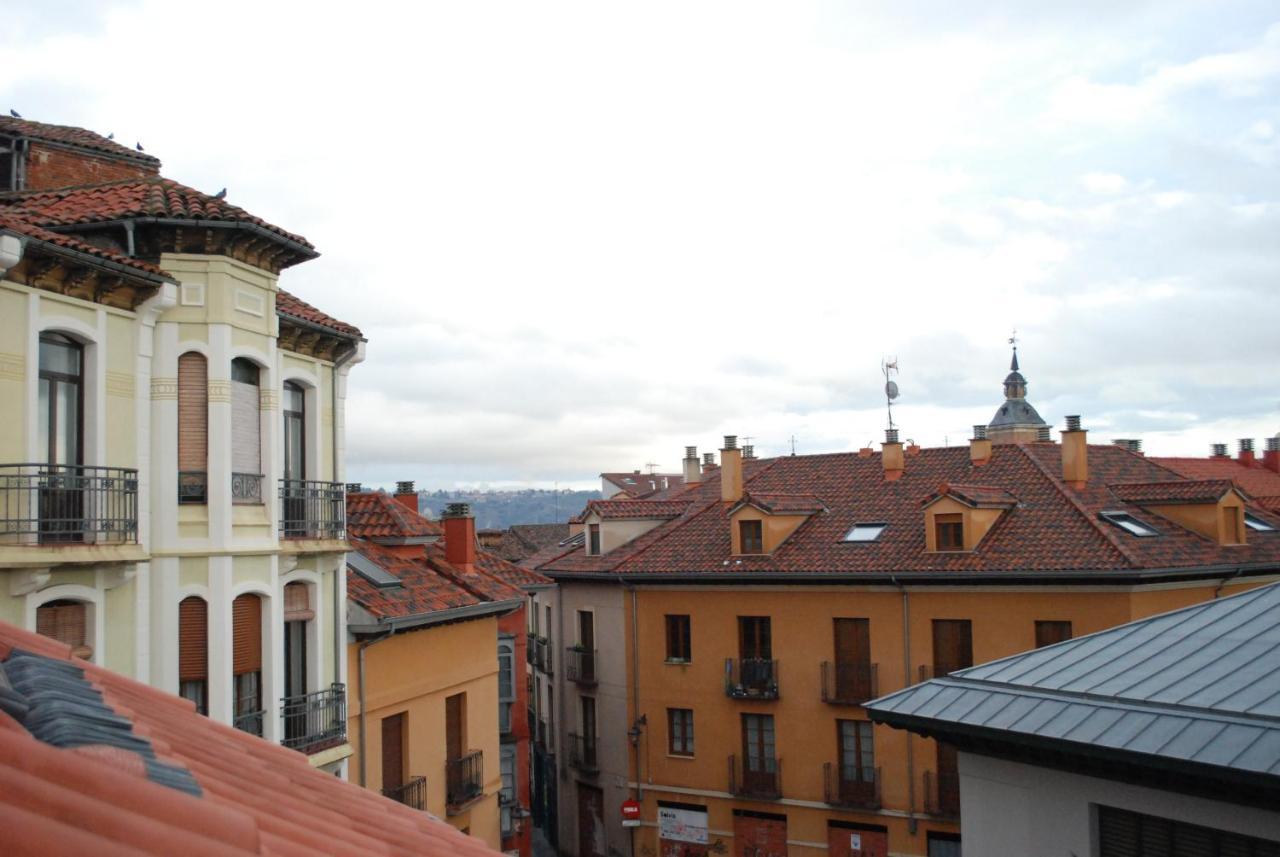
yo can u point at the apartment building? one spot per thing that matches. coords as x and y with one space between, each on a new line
739 627
171 454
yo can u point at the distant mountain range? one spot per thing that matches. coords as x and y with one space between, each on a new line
497 510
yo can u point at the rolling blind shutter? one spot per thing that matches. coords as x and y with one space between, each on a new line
63 621
245 430
246 621
193 637
193 412
297 603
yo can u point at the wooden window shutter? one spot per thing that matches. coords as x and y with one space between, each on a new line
193 412
193 639
393 751
65 622
246 623
297 603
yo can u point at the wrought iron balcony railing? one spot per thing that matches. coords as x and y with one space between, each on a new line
580 665
942 793
756 777
250 721
582 752
464 779
411 794
851 785
193 487
751 678
312 510
317 720
246 489
68 503
849 684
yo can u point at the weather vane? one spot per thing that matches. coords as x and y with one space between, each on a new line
1013 339
889 366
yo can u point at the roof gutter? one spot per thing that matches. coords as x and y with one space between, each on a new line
79 256
261 231
438 617
320 328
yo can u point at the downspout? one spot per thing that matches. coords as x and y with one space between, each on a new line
364 644
906 674
635 689
339 599
1224 581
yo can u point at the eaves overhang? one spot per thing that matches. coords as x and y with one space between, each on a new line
437 617
304 252
90 260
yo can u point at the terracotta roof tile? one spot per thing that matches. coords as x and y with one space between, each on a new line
375 514
1185 491
255 797
23 226
641 485
1260 483
974 495
784 504
290 306
610 509
73 136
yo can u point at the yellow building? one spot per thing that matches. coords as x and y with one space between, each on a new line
171 448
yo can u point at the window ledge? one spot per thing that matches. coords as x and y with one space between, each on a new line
677 662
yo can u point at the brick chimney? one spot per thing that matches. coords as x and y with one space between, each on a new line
731 470
891 455
406 495
708 462
1075 453
1271 456
460 536
1246 456
979 447
692 472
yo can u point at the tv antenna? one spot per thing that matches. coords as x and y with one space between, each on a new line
889 366
793 445
652 467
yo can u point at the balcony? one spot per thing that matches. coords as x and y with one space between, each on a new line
315 721
542 656
464 781
751 678
942 793
580 665
849 684
312 510
759 778
851 786
582 753
68 504
412 794
246 489
249 721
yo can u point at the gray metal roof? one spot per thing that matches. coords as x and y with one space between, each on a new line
1016 412
1198 685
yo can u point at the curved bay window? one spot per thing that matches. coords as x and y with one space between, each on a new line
61 423
246 433
193 651
193 427
246 662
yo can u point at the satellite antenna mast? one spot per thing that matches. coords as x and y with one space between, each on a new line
889 366
652 467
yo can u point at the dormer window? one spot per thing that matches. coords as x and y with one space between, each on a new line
1129 524
949 532
593 547
865 532
751 536
1257 524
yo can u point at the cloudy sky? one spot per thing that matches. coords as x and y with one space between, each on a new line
580 236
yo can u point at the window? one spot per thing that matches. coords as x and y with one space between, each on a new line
193 652
944 844
594 547
865 532
506 683
1122 833
751 536
679 649
1129 524
759 759
948 532
393 730
60 424
246 662
852 679
1256 524
455 726
857 758
193 427
952 645
246 433
755 638
507 795
1049 632
680 731
66 622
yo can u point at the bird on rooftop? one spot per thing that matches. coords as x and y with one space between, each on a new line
15 114
111 136
222 194
139 147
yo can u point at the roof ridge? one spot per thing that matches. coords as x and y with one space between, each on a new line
1065 492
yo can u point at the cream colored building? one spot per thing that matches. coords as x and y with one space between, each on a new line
171 494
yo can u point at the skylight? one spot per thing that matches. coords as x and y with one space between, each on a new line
1257 524
575 540
864 532
371 572
1128 523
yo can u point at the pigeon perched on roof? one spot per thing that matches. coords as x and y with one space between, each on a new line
111 136
139 147
15 114
222 194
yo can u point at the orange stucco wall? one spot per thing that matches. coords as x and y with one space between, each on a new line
1003 623
413 672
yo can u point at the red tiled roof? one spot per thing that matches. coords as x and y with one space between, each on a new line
375 514
1187 491
1054 527
255 797
13 223
1261 484
784 504
521 540
639 485
73 136
610 509
149 197
974 495
290 306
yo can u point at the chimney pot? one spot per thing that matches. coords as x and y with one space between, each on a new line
1219 450
1073 422
459 536
748 451
457 510
1135 444
355 488
405 487
1271 458
1042 434
692 472
1075 454
730 470
406 495
890 435
1273 444
891 457
1246 444
731 441
709 459
691 452
979 432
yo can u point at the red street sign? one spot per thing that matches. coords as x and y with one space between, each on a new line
630 810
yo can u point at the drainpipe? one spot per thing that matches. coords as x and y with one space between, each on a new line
1224 581
906 673
364 644
635 689
339 599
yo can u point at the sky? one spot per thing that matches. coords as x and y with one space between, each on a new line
581 236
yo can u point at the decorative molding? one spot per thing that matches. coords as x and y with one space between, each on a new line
119 575
27 580
220 391
13 367
121 384
164 388
192 294
268 400
248 302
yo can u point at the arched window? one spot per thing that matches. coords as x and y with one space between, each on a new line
67 622
193 651
246 662
246 433
193 427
